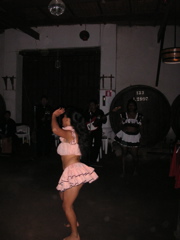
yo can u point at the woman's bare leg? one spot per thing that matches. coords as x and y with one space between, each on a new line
134 152
61 194
69 197
123 160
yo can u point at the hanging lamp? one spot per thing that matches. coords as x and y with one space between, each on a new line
84 35
171 55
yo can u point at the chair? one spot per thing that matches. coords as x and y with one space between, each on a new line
104 147
23 132
100 152
105 144
99 155
56 140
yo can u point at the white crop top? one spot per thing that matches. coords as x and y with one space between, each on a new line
69 148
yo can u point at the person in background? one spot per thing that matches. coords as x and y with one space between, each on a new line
8 133
74 144
130 134
43 127
94 117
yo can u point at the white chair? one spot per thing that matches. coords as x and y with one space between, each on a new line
23 132
56 140
99 155
105 142
104 147
100 152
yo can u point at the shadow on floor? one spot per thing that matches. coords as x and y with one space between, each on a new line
143 207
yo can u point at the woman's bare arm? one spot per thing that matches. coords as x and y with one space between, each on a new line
56 128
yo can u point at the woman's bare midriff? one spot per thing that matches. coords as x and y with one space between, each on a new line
131 129
69 159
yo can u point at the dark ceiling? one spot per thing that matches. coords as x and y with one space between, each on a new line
27 14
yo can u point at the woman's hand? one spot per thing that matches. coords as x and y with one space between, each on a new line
58 112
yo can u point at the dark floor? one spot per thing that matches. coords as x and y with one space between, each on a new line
142 207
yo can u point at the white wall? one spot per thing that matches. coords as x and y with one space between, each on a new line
129 54
137 60
103 36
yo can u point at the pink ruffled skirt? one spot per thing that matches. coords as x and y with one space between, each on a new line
76 174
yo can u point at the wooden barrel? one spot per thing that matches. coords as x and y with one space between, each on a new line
154 107
175 116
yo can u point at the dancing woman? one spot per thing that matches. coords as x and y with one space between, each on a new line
74 144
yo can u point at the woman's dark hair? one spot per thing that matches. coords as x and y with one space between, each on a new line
79 125
132 101
93 100
7 112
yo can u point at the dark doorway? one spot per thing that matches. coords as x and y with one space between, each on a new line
2 108
69 77
175 116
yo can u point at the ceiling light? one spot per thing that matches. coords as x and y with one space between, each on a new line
56 7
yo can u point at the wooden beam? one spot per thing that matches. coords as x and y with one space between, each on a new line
30 32
165 20
159 60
